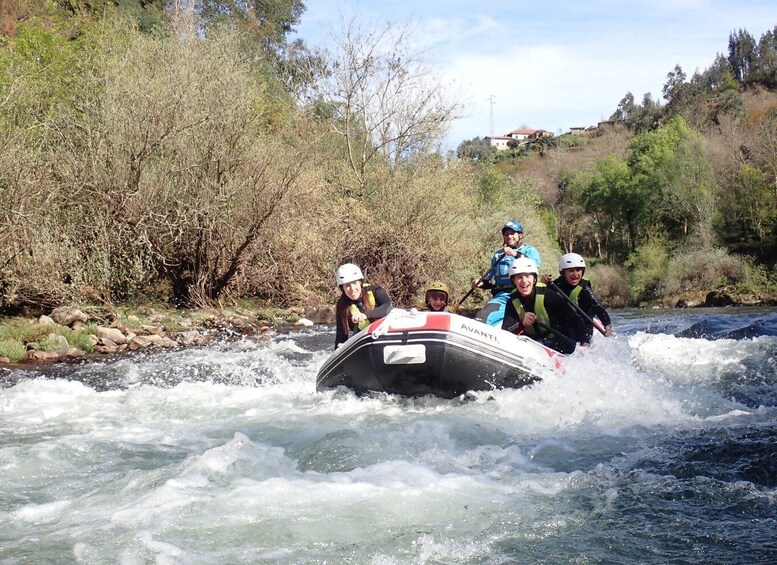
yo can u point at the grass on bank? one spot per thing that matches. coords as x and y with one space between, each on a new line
17 335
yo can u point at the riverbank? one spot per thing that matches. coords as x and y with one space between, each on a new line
71 333
83 334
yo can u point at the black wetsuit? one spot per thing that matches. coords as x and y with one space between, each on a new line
563 319
587 301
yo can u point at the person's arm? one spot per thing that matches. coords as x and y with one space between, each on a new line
511 319
591 306
383 304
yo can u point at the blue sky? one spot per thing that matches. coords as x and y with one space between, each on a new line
553 64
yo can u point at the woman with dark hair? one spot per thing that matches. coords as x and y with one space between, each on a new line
359 304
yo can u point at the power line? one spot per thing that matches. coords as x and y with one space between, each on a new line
491 117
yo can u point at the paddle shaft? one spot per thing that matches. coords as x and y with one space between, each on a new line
480 280
548 329
576 306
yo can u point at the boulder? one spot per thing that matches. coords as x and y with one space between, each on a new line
60 340
188 338
67 315
324 315
112 334
140 341
33 356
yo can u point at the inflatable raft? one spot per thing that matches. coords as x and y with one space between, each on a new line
415 353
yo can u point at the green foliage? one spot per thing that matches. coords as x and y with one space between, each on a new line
177 164
25 332
610 285
647 267
708 269
12 349
751 204
759 280
690 192
81 339
478 149
608 194
494 184
269 20
17 334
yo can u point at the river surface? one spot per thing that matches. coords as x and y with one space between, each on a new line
658 445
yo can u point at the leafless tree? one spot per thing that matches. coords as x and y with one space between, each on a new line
386 98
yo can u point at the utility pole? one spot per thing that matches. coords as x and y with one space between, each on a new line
491 117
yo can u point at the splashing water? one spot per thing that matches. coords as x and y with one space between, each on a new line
657 445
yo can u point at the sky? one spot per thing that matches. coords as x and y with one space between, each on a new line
552 64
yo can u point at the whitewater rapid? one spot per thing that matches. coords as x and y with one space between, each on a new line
227 454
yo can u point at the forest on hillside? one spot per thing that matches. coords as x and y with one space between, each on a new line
152 153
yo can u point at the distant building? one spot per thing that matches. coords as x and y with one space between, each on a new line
521 136
499 143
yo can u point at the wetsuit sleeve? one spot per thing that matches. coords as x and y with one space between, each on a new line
511 318
591 306
383 304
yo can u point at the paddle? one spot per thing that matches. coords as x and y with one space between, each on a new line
548 329
576 306
480 280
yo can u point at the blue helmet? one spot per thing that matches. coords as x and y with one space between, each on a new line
513 225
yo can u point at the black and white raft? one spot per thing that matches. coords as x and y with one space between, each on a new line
415 353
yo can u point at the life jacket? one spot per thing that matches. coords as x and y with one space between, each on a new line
539 310
575 293
501 267
369 304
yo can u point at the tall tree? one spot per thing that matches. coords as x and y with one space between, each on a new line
690 192
741 54
765 71
269 20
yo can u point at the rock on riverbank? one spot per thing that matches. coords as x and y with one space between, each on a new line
68 333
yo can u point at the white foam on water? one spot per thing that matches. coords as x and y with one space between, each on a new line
228 454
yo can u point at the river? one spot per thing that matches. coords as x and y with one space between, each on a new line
658 445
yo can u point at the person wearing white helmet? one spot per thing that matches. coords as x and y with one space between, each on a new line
497 279
543 316
572 282
359 304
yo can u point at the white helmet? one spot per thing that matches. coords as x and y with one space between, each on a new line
523 265
348 273
571 260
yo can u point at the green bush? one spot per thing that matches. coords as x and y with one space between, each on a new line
17 334
80 339
703 270
27 332
648 265
758 280
12 349
610 285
